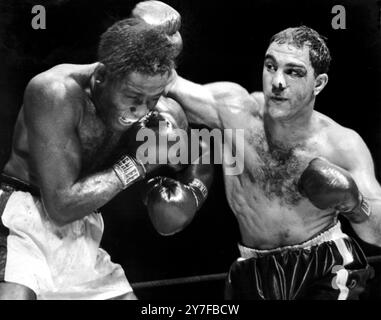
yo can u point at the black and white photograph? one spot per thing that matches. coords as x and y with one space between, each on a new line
178 151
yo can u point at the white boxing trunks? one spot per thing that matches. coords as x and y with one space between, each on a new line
55 262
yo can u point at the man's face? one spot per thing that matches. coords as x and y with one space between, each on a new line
124 102
288 80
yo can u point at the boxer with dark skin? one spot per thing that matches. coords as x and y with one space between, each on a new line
60 123
72 119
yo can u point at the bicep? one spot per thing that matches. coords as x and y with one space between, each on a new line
361 166
211 104
197 101
362 170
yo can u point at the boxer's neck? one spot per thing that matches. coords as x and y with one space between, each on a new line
289 132
90 90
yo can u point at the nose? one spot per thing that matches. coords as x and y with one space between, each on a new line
278 82
141 110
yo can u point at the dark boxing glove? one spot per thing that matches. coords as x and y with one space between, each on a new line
328 186
172 203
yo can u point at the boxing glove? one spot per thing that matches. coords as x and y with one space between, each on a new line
161 15
328 186
172 203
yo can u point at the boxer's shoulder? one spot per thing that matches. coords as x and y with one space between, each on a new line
64 77
233 99
51 85
336 133
58 89
258 106
341 144
229 91
259 97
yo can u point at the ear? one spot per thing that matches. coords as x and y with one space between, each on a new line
320 82
100 74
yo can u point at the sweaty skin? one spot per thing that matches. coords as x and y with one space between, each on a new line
283 133
65 130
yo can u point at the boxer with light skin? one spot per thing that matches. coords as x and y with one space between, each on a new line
301 170
73 119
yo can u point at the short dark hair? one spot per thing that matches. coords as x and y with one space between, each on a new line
131 45
299 37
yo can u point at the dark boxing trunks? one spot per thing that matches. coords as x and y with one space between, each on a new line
8 183
331 266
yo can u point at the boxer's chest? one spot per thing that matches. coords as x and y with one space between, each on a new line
275 172
97 141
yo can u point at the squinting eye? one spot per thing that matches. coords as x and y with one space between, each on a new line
295 73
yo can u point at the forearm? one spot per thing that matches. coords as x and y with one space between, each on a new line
83 197
369 230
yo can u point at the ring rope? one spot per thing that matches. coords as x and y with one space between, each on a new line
177 281
374 259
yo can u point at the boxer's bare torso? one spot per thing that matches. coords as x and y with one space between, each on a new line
270 210
265 198
282 134
96 139
92 133
66 130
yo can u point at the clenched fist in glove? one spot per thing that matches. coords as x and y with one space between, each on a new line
161 15
328 186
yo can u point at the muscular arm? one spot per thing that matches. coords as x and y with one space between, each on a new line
359 163
209 104
52 111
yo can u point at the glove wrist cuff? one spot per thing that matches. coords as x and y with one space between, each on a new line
364 207
197 184
361 212
127 170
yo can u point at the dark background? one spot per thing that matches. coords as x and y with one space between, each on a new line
222 41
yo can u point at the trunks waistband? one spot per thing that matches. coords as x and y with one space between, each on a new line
331 234
8 183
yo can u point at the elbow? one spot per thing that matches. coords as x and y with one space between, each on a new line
58 212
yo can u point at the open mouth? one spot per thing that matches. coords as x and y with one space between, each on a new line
278 99
125 121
